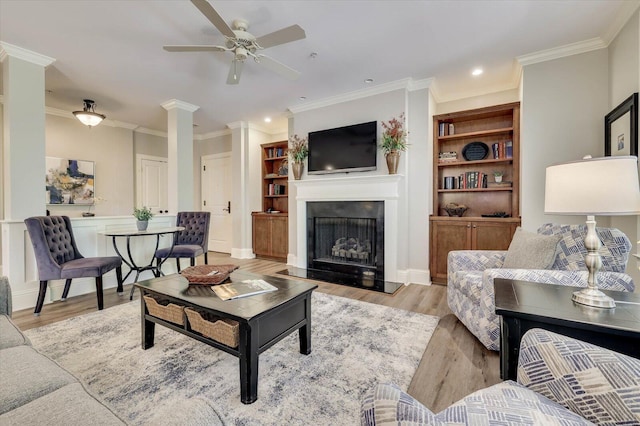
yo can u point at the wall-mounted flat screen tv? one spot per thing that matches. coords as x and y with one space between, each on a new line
344 149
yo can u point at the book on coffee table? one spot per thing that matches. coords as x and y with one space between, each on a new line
244 288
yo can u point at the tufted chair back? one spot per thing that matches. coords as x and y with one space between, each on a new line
571 250
53 244
196 229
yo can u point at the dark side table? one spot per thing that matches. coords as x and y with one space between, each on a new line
525 305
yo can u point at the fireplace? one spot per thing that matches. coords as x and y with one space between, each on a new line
347 237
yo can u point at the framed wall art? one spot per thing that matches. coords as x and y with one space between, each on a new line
621 129
70 181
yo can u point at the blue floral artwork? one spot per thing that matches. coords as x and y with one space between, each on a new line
70 181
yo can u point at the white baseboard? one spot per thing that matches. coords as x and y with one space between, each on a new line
292 260
246 253
415 276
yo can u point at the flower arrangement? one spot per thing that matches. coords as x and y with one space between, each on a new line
143 213
298 149
394 137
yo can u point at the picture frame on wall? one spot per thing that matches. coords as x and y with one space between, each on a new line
621 129
69 181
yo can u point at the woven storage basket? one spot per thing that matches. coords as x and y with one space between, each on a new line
221 330
200 274
170 312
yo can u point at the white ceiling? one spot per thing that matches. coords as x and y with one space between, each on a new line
111 50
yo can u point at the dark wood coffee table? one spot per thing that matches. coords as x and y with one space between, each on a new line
524 305
264 319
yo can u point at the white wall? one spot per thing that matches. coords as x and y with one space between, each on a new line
624 79
111 148
490 99
565 101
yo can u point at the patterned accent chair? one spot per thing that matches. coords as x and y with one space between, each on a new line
192 242
58 257
561 381
470 275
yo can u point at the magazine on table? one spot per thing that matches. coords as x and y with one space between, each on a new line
244 288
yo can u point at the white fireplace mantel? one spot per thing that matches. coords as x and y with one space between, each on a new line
387 188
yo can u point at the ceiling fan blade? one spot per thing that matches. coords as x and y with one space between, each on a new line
285 35
278 67
189 48
207 10
235 71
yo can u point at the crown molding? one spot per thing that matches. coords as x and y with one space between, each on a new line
211 135
562 51
238 125
404 84
7 50
151 132
177 104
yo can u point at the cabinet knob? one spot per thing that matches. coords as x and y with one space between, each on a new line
468 226
474 226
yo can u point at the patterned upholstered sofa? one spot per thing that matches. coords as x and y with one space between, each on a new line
470 292
561 381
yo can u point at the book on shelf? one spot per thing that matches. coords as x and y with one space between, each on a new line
236 290
508 149
445 129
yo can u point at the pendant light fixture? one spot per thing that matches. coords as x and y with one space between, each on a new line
88 116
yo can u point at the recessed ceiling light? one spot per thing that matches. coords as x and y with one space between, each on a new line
303 98
267 119
313 55
369 80
477 71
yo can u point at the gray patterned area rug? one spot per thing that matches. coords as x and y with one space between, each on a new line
354 346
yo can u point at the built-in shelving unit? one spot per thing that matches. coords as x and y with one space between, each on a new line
470 181
270 226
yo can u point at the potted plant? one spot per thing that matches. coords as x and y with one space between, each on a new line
298 152
394 141
142 215
497 175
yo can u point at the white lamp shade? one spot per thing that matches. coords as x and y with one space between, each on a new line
597 186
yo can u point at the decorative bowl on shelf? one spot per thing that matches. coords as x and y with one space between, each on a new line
454 209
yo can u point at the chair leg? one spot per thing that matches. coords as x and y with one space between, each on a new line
193 261
206 259
120 289
40 302
99 293
178 263
65 292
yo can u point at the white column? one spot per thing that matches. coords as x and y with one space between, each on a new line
241 240
24 132
23 160
180 152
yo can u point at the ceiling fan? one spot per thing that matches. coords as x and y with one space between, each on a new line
243 44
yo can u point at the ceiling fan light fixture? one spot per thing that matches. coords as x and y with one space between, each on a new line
88 116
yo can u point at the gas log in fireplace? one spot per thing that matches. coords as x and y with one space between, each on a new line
347 237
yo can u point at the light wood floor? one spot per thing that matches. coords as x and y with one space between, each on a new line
453 365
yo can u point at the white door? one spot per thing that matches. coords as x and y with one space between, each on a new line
152 183
216 198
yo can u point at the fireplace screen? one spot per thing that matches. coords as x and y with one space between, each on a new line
345 240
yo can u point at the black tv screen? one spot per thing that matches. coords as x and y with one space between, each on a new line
344 149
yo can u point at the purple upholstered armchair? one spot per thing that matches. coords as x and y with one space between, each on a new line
57 257
192 242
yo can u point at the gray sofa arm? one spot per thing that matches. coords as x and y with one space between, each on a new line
598 384
387 404
5 297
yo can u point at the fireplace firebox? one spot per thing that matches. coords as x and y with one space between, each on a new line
347 237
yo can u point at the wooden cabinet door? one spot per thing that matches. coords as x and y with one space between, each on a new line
279 237
445 237
491 235
262 235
